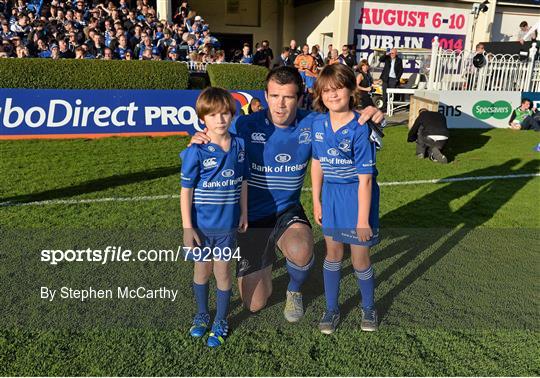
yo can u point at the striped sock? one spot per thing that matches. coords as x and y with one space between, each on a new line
298 274
223 298
332 278
366 283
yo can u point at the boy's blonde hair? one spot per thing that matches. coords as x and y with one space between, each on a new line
214 100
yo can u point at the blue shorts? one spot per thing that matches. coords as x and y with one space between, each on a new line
309 81
213 246
340 213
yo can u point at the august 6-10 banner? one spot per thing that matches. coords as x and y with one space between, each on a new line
51 113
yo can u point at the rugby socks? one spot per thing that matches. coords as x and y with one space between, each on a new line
223 298
298 274
201 297
366 283
332 277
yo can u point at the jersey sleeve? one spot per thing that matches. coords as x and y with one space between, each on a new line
364 151
190 171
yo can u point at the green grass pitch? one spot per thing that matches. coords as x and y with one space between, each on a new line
457 269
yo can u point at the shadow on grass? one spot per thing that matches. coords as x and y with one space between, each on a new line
97 185
430 221
462 141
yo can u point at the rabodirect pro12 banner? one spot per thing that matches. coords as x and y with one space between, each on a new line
392 24
51 113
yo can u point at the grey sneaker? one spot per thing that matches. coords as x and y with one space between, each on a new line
294 307
369 320
329 322
436 155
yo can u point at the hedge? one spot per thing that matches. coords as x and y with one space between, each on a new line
237 76
92 74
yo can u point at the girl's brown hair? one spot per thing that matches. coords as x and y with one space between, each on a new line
336 76
212 100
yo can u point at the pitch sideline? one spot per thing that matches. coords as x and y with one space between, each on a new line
169 196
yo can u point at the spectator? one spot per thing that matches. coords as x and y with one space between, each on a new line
64 51
283 59
329 52
246 58
347 57
520 114
252 107
264 56
523 30
430 133
172 55
364 80
392 71
294 51
319 62
334 57
531 33
107 54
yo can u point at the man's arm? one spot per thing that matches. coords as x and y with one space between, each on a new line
413 132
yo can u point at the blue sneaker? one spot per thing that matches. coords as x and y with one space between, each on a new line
329 322
369 319
200 324
219 332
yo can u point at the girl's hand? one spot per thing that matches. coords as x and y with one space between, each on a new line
363 232
317 212
243 224
191 238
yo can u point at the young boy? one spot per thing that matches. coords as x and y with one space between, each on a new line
214 206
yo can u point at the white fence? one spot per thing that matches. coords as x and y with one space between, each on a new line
455 71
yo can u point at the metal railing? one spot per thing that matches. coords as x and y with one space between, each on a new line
455 71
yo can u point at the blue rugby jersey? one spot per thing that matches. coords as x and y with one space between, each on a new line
345 153
216 177
278 161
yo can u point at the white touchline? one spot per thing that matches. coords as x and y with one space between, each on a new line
172 196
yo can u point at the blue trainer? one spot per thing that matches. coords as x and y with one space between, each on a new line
200 324
329 322
219 332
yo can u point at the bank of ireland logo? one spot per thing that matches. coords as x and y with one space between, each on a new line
241 156
304 137
283 158
258 137
333 152
209 163
227 173
485 109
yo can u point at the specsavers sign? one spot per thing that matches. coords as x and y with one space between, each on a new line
473 110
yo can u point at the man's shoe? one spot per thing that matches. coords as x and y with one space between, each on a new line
200 325
329 322
294 307
369 320
436 155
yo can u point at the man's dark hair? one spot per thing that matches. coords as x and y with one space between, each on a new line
526 100
523 24
285 49
286 75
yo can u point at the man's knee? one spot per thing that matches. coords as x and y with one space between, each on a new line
255 304
297 244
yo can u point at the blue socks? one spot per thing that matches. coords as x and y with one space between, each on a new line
201 297
366 283
298 274
332 278
223 298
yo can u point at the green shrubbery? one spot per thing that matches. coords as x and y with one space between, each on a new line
237 76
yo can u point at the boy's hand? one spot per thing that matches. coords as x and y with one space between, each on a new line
243 224
200 138
363 232
371 113
191 238
317 212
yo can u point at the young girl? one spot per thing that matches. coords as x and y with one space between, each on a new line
214 206
343 166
